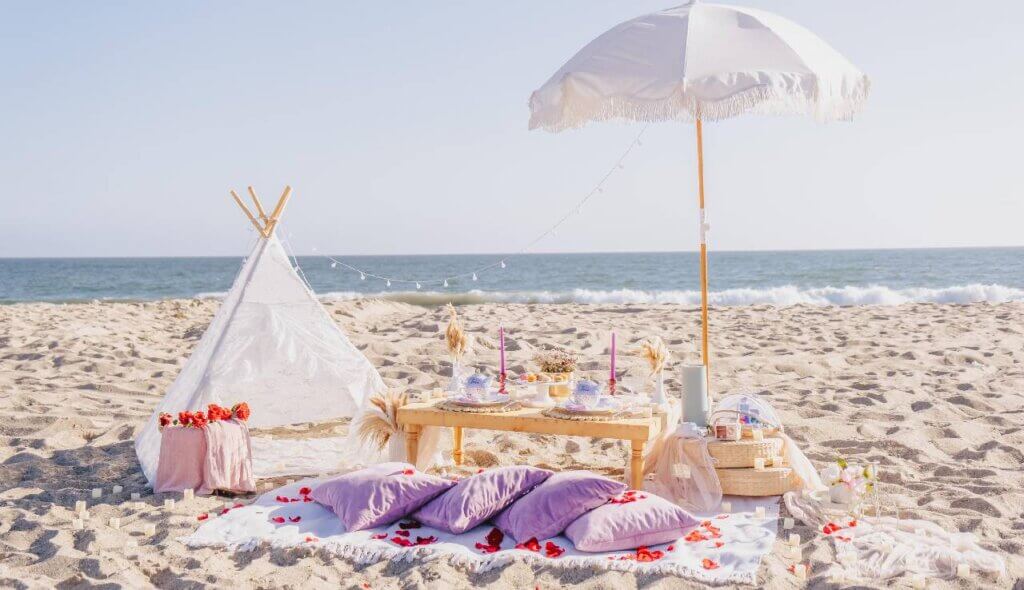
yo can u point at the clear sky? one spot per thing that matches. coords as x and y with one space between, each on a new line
402 127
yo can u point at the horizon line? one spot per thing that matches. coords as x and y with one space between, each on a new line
509 255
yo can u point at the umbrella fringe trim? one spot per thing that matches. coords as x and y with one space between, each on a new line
824 104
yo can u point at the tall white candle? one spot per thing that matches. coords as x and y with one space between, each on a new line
794 540
115 523
169 503
759 463
963 570
759 512
79 506
136 495
787 523
188 494
118 489
78 523
97 492
726 507
84 515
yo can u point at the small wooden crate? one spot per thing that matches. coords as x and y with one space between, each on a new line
741 453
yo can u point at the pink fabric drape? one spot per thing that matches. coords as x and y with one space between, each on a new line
217 457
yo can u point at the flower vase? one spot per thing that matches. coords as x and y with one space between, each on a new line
658 397
455 385
396 447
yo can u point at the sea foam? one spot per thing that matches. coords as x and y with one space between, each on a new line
776 296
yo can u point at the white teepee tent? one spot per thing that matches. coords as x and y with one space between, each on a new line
271 344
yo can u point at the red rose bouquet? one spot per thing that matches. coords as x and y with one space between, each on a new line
241 411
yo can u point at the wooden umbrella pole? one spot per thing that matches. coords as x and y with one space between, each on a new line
706 353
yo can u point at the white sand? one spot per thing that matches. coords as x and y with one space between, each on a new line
933 392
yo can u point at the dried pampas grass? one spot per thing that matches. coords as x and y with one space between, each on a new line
454 337
380 422
654 351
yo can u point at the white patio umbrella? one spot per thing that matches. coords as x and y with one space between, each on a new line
700 62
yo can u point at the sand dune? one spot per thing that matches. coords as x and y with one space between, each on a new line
935 393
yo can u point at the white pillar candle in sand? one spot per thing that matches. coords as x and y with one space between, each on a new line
149 529
727 507
794 540
188 494
759 513
787 523
757 434
115 523
777 461
169 503
800 571
79 506
918 582
118 489
136 496
289 481
78 524
97 492
759 463
963 571
84 515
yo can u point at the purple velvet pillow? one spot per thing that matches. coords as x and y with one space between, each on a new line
479 497
644 521
551 506
378 495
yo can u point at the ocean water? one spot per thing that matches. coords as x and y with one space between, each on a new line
841 277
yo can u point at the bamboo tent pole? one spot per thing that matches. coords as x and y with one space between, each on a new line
259 206
249 214
705 352
278 210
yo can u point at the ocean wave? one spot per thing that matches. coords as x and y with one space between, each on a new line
776 296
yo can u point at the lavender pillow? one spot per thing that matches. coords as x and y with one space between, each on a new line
477 498
551 506
636 520
378 495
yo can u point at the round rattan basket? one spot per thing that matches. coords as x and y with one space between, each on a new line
741 453
771 481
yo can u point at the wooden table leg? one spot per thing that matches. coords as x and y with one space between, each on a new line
457 447
636 464
412 442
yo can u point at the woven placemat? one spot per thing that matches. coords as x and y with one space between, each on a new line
563 414
449 406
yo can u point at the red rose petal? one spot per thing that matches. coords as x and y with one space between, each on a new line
410 524
401 541
671 548
708 564
402 533
426 540
552 550
278 519
282 499
495 537
295 518
531 545
203 516
305 491
408 472
311 539
718 544
380 536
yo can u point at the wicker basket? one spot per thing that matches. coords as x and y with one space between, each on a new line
742 453
771 481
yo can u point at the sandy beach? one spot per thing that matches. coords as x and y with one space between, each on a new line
932 392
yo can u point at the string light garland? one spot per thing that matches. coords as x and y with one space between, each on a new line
502 262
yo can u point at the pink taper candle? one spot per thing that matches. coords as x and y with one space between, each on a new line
501 344
612 377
